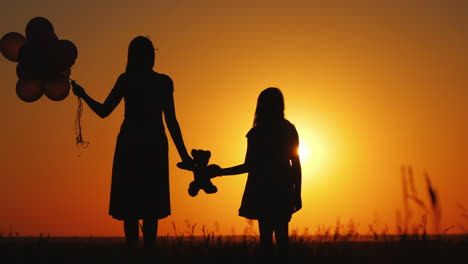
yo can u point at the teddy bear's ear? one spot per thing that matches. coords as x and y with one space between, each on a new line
205 155
194 153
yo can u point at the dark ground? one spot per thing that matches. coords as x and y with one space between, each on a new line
222 250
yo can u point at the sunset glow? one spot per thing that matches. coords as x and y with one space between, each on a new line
371 86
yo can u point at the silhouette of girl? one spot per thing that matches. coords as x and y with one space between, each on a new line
273 189
140 174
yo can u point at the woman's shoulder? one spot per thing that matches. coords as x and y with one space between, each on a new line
122 76
162 76
149 79
122 80
164 80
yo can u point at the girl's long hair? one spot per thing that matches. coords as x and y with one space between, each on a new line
270 107
140 55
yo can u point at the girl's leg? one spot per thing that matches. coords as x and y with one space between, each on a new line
281 230
266 235
131 232
150 229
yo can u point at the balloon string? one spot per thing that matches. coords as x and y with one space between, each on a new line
78 131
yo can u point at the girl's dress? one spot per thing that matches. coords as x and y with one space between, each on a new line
269 189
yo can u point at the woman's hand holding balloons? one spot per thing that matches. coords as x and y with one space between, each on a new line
77 89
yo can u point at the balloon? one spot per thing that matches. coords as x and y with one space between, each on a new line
29 90
10 45
48 59
67 53
38 57
60 55
32 56
40 29
53 62
66 72
57 88
25 73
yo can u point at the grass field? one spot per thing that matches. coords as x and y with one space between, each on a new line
220 249
339 244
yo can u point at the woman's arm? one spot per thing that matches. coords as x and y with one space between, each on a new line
174 129
104 109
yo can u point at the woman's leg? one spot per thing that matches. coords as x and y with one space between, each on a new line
150 229
281 230
131 231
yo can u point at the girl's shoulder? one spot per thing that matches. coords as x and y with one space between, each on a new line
286 123
290 129
285 127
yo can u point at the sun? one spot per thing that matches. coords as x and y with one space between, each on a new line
304 151
313 153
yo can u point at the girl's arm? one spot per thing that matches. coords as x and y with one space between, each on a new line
297 181
239 169
297 175
104 109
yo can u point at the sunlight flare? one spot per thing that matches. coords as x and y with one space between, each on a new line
304 152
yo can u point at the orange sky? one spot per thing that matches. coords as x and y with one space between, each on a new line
370 85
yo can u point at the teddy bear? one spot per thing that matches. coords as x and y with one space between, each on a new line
202 172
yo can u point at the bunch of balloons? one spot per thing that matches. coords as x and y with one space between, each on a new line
44 61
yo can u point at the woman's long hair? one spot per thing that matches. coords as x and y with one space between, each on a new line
270 107
140 55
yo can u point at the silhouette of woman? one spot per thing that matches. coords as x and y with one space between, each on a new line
273 189
140 173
